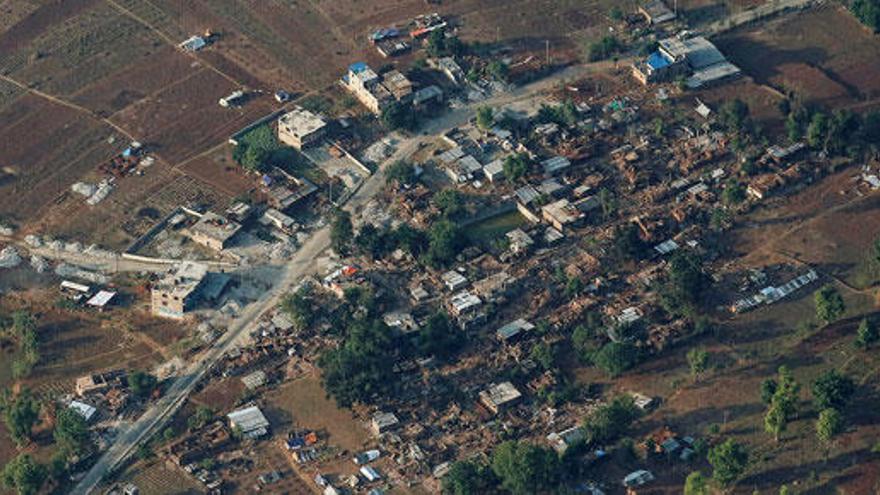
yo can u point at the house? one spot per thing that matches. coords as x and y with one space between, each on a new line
284 190
676 56
398 84
370 473
403 322
464 303
193 44
100 382
561 213
250 421
555 165
177 293
300 128
102 299
519 242
278 220
254 380
366 86
463 169
391 47
429 94
85 410
500 396
493 287
239 212
450 68
382 422
494 171
638 478
454 280
213 231
512 330
656 12
561 441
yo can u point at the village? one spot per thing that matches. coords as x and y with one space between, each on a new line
461 269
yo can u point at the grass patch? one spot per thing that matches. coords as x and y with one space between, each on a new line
492 229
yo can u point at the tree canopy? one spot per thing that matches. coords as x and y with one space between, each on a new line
866 334
20 413
696 484
24 475
439 338
616 357
444 243
401 171
341 232
468 478
526 469
868 12
832 389
610 421
686 285
829 424
829 304
141 383
515 167
71 431
728 460
361 368
398 115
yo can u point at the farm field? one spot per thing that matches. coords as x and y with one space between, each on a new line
823 56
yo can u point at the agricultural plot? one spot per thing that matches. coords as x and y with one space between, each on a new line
43 156
823 56
80 51
184 119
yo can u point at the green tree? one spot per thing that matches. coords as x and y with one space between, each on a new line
604 48
685 290
829 304
696 484
468 478
141 383
775 420
628 244
829 424
398 116
866 335
450 201
341 232
733 115
515 167
254 158
21 414
868 12
401 171
768 390
734 193
608 202
439 338
526 469
444 243
544 355
728 460
783 403
361 368
698 361
817 130
71 431
485 118
24 475
616 357
372 242
832 390
298 307
499 70
410 239
610 421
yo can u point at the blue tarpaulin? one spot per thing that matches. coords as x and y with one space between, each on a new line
657 61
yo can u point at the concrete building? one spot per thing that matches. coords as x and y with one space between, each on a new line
676 57
656 12
500 396
300 128
561 214
177 293
366 86
213 231
250 421
398 84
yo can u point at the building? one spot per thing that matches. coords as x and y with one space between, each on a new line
250 421
213 231
555 165
278 220
177 293
193 44
87 411
656 12
366 86
392 47
284 190
512 330
561 214
428 95
677 57
102 299
233 99
463 169
519 242
254 380
454 280
382 422
494 171
561 441
100 382
500 396
449 67
300 128
494 287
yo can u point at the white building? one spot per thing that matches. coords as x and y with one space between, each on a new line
300 128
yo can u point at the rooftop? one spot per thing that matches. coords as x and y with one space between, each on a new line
500 393
215 227
250 421
300 122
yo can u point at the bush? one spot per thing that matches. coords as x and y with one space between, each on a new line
604 48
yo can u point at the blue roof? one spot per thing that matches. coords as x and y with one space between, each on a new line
657 61
358 67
